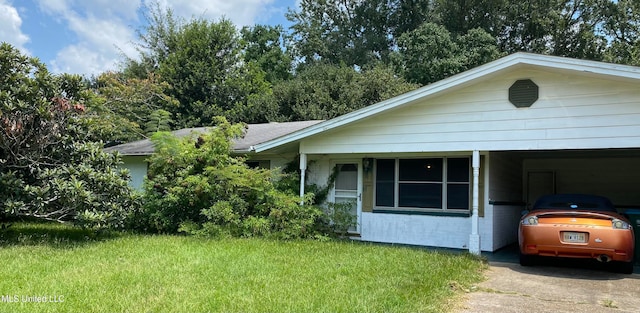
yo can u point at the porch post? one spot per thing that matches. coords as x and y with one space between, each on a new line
474 238
303 169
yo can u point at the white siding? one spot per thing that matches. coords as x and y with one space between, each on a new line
137 169
423 230
319 169
572 112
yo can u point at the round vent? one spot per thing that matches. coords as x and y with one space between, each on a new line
523 93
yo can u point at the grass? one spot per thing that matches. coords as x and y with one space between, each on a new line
82 272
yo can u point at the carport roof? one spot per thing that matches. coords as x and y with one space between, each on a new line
255 134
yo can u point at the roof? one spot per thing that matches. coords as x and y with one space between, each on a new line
255 134
508 63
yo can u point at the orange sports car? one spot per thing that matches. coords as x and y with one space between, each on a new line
576 226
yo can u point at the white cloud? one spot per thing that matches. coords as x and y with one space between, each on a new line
81 59
101 45
103 30
240 12
10 23
106 28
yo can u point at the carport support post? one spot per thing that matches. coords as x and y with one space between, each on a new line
303 170
474 238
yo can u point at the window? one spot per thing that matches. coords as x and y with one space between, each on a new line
423 184
266 164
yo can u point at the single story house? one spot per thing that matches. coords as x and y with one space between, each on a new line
454 163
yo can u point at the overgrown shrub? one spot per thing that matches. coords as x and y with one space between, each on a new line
49 168
341 217
195 185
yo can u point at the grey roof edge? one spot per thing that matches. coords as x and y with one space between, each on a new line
243 145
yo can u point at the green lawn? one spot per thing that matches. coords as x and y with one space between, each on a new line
138 273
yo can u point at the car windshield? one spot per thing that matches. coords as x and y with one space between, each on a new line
574 202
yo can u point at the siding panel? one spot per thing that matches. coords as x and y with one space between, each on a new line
573 112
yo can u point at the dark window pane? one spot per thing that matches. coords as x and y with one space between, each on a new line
384 194
458 170
385 182
458 196
385 169
421 170
420 195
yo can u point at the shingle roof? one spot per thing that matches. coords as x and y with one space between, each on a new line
255 134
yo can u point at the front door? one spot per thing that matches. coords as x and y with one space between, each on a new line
348 189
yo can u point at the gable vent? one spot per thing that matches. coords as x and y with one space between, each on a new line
523 93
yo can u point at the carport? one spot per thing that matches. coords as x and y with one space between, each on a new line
520 177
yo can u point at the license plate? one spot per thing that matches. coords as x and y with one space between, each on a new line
569 236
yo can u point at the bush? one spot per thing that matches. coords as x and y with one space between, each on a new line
341 217
49 169
195 185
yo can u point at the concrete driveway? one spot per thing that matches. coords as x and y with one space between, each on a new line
552 286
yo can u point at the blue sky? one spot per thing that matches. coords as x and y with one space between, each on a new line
89 36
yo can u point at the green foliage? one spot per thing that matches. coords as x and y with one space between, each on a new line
48 169
459 17
202 62
324 91
159 121
263 46
195 185
341 216
125 109
431 53
352 32
623 27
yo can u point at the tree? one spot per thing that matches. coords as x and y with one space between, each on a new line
431 53
574 31
622 26
263 45
202 62
407 15
324 91
461 16
353 32
123 109
48 168
558 27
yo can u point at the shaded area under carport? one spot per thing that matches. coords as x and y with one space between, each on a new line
509 255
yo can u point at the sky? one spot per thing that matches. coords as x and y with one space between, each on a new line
89 37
